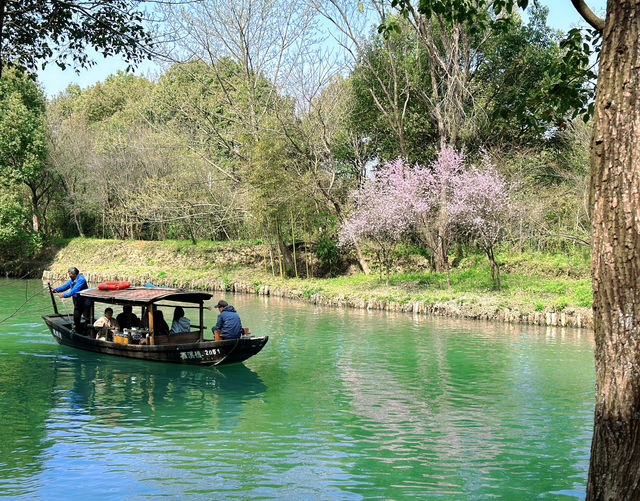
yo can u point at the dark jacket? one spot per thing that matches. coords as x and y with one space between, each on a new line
160 326
229 323
127 321
75 286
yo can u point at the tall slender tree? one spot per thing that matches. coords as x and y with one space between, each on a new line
23 138
614 471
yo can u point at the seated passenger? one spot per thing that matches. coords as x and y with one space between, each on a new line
107 325
127 318
160 326
228 325
144 319
180 323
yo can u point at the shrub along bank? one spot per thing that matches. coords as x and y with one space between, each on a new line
537 288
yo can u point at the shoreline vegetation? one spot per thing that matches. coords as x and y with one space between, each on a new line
537 289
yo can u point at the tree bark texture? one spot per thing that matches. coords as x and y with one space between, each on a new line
361 260
614 472
285 253
3 9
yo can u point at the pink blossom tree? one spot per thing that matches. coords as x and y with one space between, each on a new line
481 209
384 211
403 198
436 202
438 184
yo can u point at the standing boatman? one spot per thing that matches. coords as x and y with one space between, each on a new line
81 306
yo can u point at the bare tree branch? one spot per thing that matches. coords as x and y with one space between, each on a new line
588 15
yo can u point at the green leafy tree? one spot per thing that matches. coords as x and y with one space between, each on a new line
23 138
387 107
17 241
277 194
36 32
330 155
520 66
438 79
207 104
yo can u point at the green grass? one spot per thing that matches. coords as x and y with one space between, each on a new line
310 291
530 281
537 287
189 246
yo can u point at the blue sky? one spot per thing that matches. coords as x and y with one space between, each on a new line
562 16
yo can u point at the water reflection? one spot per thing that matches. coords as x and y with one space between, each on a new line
464 402
341 404
26 389
85 407
118 392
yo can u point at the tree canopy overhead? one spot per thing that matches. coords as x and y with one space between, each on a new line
35 32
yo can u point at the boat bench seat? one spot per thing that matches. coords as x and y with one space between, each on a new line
185 337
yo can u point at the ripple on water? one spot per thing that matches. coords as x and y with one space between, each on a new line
339 405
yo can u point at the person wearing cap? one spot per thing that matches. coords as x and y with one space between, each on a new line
81 306
228 325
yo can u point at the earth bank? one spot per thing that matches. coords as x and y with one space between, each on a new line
242 267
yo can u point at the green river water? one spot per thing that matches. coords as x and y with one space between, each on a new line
339 405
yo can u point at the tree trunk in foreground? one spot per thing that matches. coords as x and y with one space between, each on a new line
3 9
614 472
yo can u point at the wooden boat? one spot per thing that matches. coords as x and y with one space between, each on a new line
187 348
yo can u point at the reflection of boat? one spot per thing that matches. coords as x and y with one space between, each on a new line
185 348
159 397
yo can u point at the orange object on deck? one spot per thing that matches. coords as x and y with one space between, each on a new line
114 285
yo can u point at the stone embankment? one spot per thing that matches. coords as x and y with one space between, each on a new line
456 308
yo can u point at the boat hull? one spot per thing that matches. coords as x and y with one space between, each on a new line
206 352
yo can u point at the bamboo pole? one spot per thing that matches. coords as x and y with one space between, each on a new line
306 250
273 266
264 258
293 240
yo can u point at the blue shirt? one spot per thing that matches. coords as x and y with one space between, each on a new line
229 323
74 286
183 324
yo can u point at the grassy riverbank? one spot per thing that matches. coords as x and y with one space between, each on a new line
536 288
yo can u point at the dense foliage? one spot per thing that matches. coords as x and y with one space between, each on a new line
35 32
24 180
248 142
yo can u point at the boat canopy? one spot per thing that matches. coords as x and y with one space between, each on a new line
144 295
